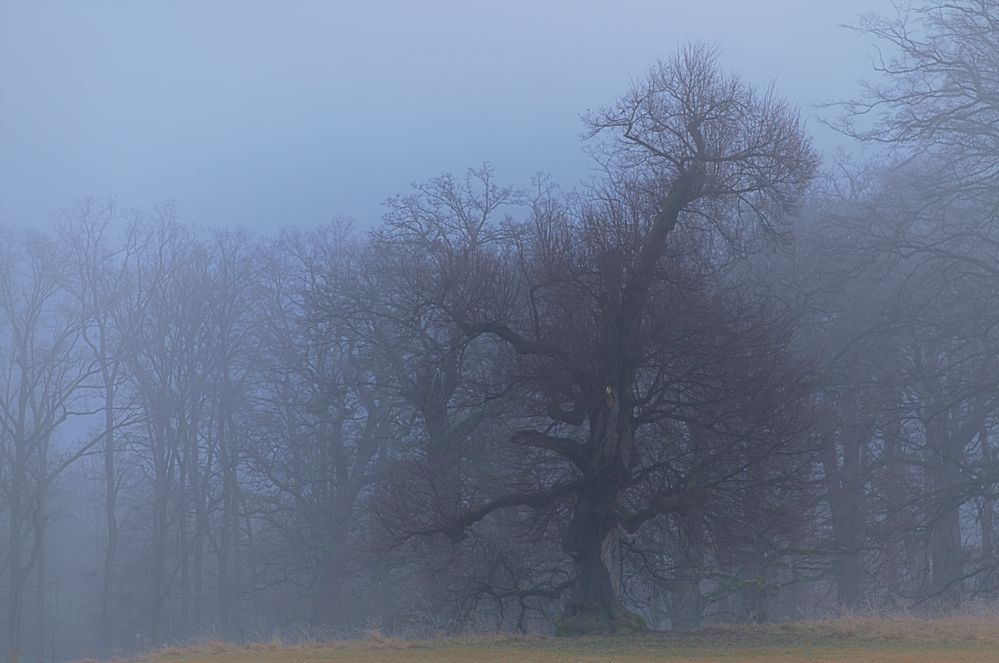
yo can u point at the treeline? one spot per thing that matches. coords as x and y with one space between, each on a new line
710 386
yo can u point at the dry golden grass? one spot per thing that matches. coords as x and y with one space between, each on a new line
851 639
916 630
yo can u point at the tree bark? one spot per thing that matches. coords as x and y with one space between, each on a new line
845 495
591 540
592 536
161 520
14 570
41 632
110 513
945 452
15 567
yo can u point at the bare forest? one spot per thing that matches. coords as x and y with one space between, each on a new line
728 379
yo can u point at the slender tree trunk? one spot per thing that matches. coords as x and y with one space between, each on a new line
199 481
180 516
111 519
845 495
41 632
15 570
227 461
945 524
38 554
945 556
161 491
686 602
251 563
14 600
685 588
656 604
752 597
986 517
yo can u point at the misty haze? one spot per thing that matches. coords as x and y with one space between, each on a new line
463 331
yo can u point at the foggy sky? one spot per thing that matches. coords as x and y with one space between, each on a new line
270 113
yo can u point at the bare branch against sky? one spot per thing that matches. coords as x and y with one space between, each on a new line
270 113
440 318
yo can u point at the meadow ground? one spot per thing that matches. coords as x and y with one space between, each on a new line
843 640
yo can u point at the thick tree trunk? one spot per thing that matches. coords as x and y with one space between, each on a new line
592 537
591 540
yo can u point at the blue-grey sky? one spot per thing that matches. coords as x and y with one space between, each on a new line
275 112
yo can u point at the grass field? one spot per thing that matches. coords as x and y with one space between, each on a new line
847 640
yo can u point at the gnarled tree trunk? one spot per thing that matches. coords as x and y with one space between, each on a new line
592 536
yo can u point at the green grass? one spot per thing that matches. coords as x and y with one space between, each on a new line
846 640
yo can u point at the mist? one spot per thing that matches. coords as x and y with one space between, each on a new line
431 320
270 115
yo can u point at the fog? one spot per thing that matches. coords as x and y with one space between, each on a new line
432 319
270 114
